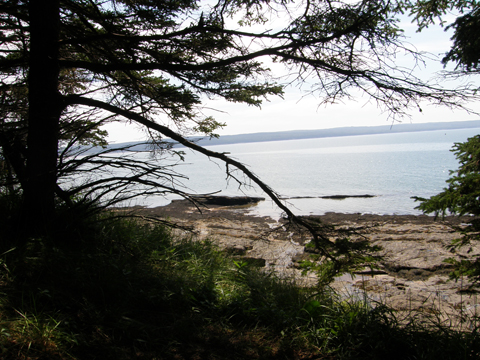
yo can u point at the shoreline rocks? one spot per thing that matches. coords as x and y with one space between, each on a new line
227 200
412 275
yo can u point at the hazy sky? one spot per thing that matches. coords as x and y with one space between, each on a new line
300 111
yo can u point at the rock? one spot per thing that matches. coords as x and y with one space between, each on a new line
412 275
343 197
370 272
228 200
237 249
254 261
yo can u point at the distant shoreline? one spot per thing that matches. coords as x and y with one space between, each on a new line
312 134
335 132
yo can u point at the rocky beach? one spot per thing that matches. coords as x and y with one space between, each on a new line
412 276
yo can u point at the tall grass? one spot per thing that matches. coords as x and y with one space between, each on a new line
116 288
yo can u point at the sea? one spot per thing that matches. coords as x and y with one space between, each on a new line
391 167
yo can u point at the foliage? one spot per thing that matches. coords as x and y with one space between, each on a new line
154 63
463 192
465 41
466 26
124 289
461 197
67 67
337 251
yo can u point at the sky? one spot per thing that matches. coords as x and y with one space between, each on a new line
300 111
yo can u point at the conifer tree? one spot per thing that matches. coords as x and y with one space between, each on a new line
462 195
152 62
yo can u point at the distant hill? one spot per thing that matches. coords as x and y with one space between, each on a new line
312 134
343 131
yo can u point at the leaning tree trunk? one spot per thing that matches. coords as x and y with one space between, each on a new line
43 116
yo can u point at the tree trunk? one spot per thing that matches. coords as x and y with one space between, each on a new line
45 108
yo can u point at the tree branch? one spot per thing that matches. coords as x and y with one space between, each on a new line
314 228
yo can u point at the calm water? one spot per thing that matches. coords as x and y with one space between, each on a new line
393 167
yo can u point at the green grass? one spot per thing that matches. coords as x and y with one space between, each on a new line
122 289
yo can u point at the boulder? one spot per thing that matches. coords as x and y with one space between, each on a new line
228 200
